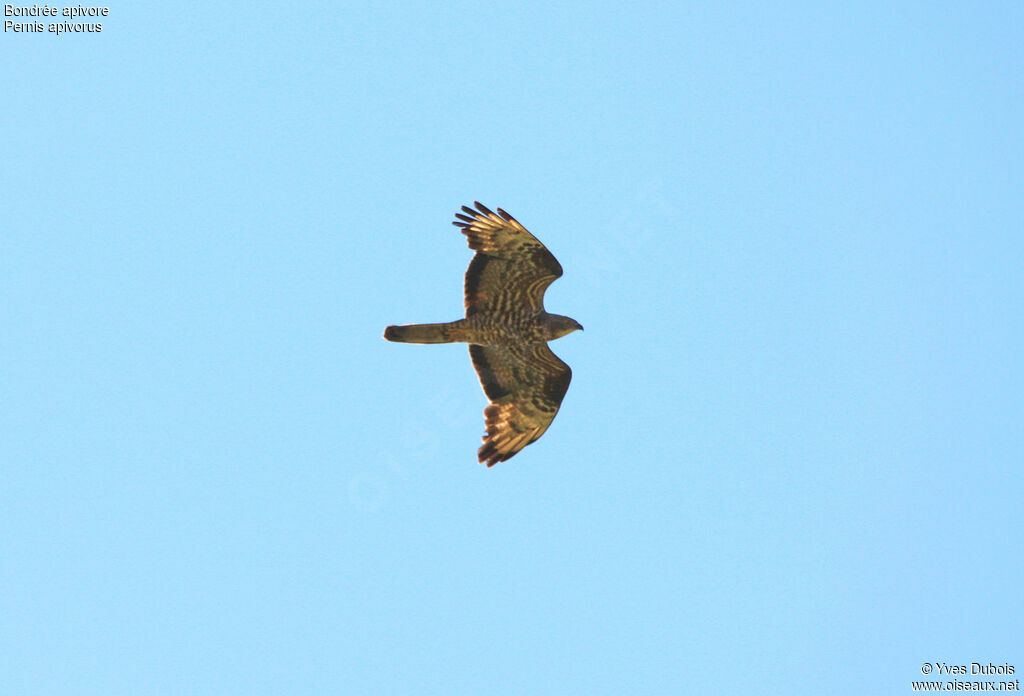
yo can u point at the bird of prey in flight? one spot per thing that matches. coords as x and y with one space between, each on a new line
507 330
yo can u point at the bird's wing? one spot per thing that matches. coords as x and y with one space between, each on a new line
525 383
511 269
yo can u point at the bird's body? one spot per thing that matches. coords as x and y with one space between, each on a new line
486 329
507 329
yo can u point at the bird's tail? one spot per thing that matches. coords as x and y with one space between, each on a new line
425 333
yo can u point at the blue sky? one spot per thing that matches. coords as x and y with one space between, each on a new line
790 460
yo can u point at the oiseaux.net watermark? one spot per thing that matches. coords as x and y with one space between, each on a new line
986 676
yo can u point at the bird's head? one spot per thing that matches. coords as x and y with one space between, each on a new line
558 326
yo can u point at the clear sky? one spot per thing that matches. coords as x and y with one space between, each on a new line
790 460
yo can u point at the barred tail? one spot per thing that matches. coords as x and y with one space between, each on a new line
424 333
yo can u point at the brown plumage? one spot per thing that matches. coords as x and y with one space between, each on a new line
507 329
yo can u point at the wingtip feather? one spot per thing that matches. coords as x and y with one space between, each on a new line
482 208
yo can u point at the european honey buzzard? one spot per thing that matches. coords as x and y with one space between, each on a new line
507 330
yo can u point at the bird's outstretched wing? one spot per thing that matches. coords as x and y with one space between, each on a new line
511 269
525 383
